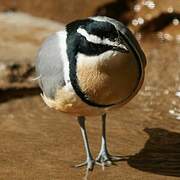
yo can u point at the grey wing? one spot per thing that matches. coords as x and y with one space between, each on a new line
49 66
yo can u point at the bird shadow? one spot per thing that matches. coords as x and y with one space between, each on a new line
160 155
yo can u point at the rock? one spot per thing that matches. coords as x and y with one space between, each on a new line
21 36
59 10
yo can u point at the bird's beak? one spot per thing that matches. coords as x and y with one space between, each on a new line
121 48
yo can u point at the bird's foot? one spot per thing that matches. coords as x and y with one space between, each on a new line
89 163
105 159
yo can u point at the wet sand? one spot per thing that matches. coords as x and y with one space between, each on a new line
40 143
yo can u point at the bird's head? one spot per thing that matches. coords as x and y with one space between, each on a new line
95 36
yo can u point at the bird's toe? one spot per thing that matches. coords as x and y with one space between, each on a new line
118 158
108 160
104 160
88 163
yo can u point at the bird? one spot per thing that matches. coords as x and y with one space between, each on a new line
93 66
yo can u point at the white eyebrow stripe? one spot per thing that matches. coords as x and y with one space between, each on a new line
95 39
90 37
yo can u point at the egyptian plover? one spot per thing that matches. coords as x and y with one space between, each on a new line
93 66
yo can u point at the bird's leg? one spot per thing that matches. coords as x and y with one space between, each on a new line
89 161
104 158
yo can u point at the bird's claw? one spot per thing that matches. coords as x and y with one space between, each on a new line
88 163
104 160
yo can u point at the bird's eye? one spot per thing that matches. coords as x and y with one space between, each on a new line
91 49
112 37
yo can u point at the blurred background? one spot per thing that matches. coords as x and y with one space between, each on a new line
38 143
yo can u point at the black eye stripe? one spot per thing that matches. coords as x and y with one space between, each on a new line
92 49
102 30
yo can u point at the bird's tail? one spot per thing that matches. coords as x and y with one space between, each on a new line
48 101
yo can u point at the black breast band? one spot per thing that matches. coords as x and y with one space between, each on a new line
72 51
82 95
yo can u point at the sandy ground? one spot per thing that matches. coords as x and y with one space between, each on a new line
39 143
